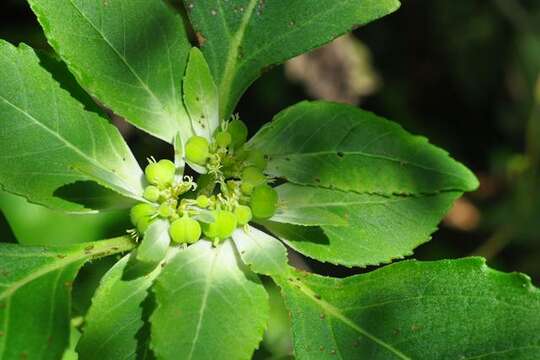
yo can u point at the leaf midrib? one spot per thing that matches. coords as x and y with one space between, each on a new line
202 309
337 314
111 246
349 203
67 143
232 55
368 155
120 56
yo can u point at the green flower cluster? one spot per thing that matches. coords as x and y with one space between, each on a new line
232 190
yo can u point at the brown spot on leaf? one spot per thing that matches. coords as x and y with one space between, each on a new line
200 38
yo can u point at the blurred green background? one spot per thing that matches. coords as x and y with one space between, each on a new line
465 74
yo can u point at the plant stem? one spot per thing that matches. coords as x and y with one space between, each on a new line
494 245
107 247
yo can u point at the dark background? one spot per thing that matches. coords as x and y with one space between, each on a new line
463 73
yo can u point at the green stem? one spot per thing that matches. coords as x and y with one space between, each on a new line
107 247
495 244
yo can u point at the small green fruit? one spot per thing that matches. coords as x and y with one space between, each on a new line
223 139
243 214
140 216
185 230
197 150
257 159
165 210
246 188
151 193
222 227
143 224
263 202
239 133
253 175
160 173
203 201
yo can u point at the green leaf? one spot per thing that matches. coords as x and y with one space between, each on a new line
131 55
303 205
381 228
115 317
151 251
35 287
75 335
339 146
451 309
263 253
209 306
48 139
39 226
179 161
241 38
201 96
66 80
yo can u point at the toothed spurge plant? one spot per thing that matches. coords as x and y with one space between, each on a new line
333 182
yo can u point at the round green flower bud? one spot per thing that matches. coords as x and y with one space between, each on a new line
143 224
151 193
263 202
140 216
243 214
257 159
185 230
253 175
203 201
222 227
165 210
197 150
160 173
223 139
168 166
241 155
239 133
246 188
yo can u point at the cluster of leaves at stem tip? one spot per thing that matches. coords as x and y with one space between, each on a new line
233 190
335 183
